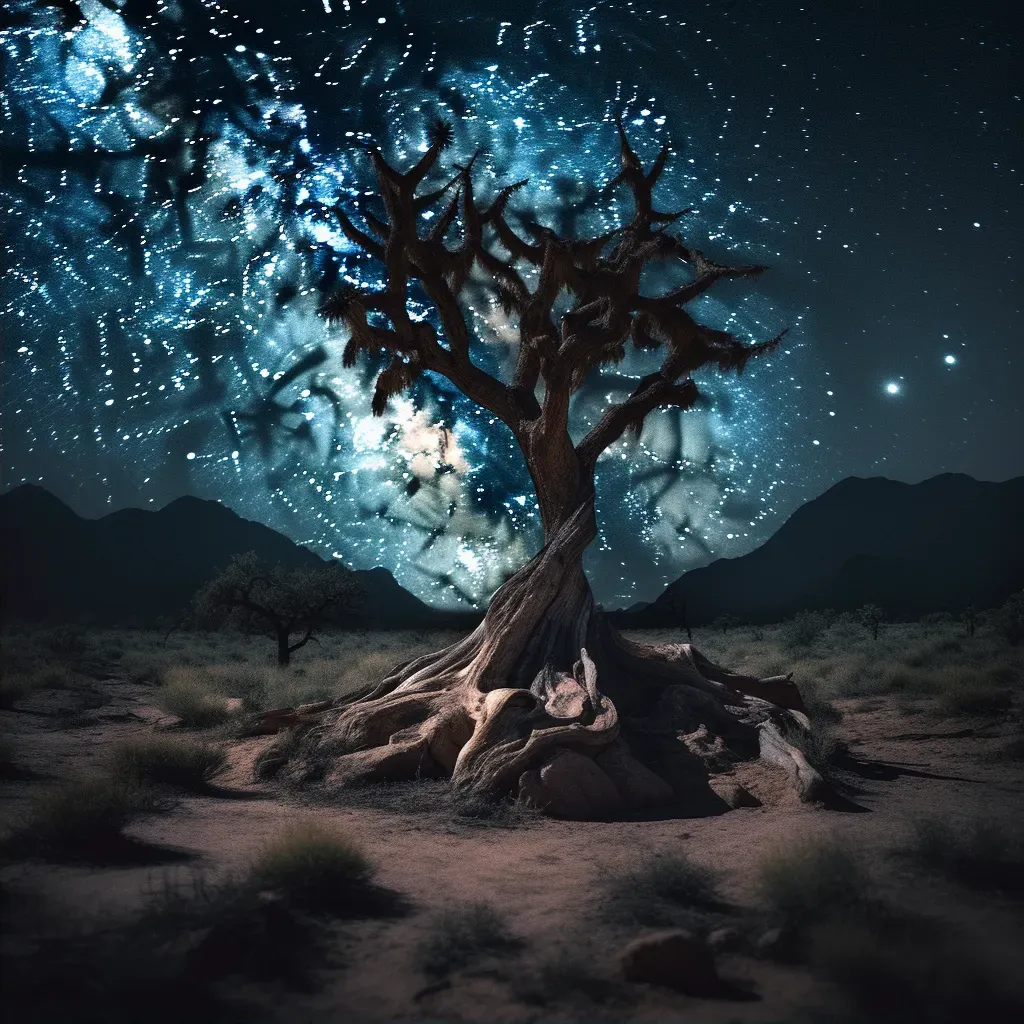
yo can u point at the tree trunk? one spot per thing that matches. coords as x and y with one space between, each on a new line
284 654
546 701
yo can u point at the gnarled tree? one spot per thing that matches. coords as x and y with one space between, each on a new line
276 601
545 698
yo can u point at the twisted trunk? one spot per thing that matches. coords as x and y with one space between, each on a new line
546 701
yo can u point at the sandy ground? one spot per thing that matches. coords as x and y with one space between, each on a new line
544 877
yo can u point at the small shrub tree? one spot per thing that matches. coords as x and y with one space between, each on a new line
872 616
276 601
725 623
680 614
803 629
971 619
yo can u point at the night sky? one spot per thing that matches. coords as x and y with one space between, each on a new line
160 334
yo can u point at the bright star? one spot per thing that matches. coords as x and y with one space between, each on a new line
892 388
950 360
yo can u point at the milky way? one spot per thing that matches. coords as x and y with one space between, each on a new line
161 334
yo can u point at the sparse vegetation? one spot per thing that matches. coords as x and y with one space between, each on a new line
497 813
188 694
662 890
813 883
1009 620
463 935
971 693
81 819
978 854
803 629
315 868
169 760
725 622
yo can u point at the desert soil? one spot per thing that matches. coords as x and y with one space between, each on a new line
545 877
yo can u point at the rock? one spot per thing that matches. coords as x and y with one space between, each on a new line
570 785
674 958
732 792
725 940
636 783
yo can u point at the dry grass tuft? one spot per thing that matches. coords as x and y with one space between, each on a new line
81 819
812 883
169 760
188 694
662 890
464 935
315 868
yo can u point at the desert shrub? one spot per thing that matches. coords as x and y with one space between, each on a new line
662 890
803 629
314 868
365 671
813 882
187 694
1009 620
249 682
170 760
980 854
463 935
964 692
898 678
81 819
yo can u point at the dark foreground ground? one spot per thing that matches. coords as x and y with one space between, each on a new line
146 874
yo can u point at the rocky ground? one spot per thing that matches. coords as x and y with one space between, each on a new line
903 905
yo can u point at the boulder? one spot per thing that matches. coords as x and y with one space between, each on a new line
673 958
636 783
571 785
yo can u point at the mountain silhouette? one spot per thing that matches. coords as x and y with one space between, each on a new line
137 566
911 549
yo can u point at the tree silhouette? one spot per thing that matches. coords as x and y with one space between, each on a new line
872 616
545 693
275 601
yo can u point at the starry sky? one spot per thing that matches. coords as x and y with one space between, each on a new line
166 167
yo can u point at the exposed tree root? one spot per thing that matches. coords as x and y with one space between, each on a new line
560 741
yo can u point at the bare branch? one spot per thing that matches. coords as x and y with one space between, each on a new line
653 392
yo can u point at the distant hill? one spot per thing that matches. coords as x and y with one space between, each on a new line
909 548
137 566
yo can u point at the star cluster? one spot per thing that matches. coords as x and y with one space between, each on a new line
166 172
